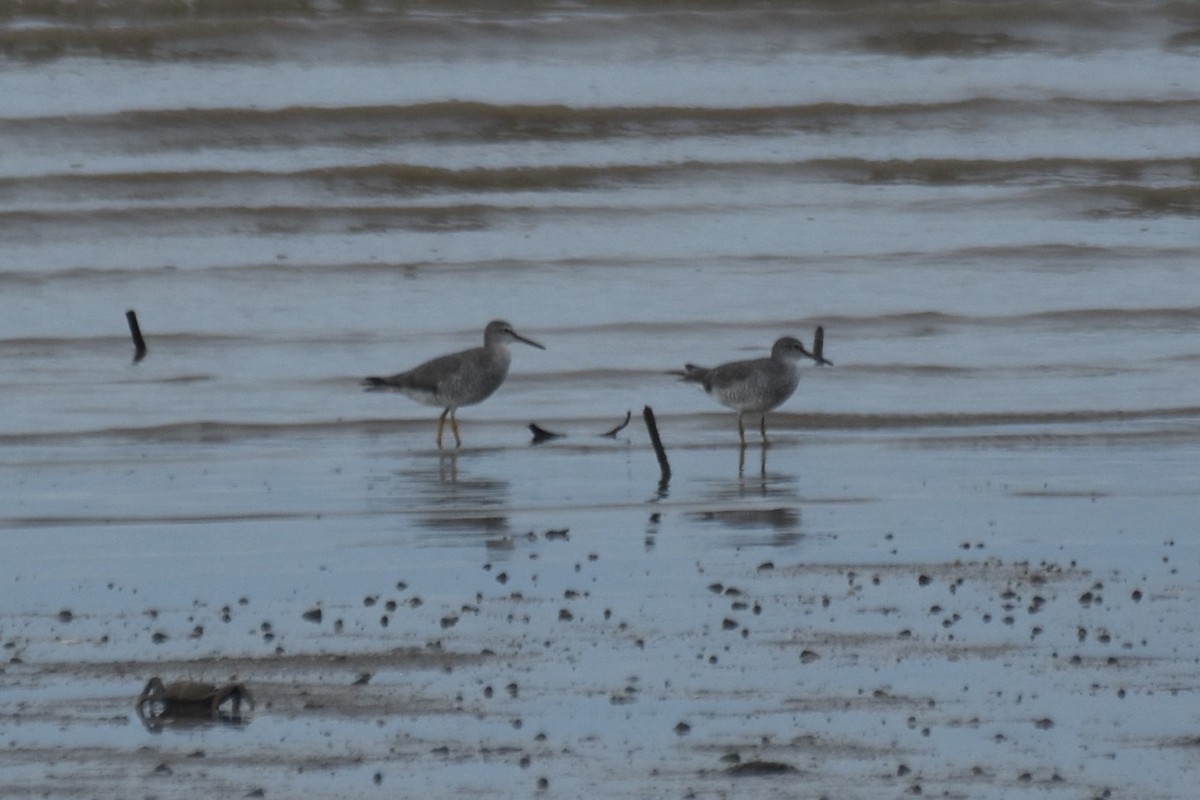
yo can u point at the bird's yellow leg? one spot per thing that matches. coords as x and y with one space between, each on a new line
454 428
441 424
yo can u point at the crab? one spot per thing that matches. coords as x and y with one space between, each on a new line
194 700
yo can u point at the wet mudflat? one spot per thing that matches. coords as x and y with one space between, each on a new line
966 566
850 613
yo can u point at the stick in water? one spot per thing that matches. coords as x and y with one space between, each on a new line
540 434
664 467
613 433
819 347
139 343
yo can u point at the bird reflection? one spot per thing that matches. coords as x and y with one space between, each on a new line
443 497
762 461
464 503
774 506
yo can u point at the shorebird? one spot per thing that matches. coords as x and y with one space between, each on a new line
758 385
458 379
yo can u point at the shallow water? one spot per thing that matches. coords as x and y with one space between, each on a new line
964 567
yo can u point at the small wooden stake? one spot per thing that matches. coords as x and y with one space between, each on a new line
135 330
663 465
819 347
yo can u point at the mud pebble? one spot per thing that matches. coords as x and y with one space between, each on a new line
377 778
543 784
363 679
162 769
808 656
370 600
159 637
558 533
312 615
683 729
565 615
65 615
449 621
924 580
728 624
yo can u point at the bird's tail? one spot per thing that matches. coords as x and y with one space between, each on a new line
691 373
375 383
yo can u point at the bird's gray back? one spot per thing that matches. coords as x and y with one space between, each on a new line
457 379
757 386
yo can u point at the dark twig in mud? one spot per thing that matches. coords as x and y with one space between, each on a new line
612 434
135 330
540 434
663 465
